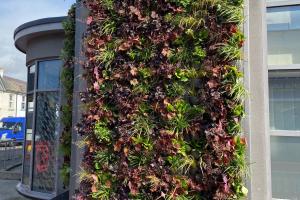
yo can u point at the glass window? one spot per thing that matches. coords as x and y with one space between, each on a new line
23 106
276 0
49 75
284 102
285 167
283 35
42 122
28 140
46 133
30 78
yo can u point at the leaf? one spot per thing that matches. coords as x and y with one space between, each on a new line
94 188
133 71
89 20
212 84
166 52
134 82
133 188
96 86
95 178
118 145
125 46
137 12
126 151
154 15
244 191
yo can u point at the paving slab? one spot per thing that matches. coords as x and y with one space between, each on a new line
8 190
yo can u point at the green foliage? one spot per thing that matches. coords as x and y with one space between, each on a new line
175 89
107 4
102 132
67 78
106 56
167 111
199 53
142 125
145 72
102 188
103 192
103 158
238 110
108 27
65 174
181 164
183 3
142 55
230 52
144 141
230 14
141 88
137 160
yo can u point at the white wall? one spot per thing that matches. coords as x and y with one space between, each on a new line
11 107
21 99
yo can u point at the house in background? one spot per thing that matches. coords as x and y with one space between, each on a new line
12 96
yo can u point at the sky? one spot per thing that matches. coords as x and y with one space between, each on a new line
14 13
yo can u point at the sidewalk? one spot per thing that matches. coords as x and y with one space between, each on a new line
8 190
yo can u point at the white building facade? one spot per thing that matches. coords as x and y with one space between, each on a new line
12 96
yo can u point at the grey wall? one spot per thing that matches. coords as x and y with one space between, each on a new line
79 86
44 47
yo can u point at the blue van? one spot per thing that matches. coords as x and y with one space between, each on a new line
12 128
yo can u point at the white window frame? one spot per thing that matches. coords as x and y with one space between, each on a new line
283 3
284 68
291 70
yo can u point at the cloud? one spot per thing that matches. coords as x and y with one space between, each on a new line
13 13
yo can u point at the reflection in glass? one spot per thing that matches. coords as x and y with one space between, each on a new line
30 79
285 167
46 133
28 140
284 103
283 35
49 74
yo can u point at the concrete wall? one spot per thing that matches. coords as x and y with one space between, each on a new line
79 86
257 106
44 47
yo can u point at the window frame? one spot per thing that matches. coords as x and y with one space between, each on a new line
34 92
284 70
283 3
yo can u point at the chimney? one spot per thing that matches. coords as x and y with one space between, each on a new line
1 72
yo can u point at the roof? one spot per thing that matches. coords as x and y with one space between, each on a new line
9 84
39 22
36 28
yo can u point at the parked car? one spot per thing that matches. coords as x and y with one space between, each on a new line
12 128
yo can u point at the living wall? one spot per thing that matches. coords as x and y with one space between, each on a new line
67 77
164 101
